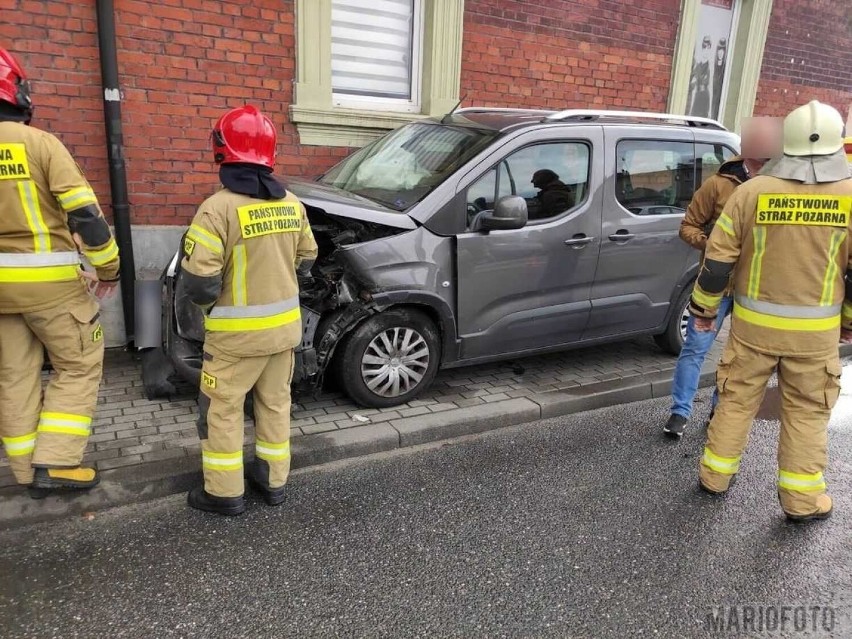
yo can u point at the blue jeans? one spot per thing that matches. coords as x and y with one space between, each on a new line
688 368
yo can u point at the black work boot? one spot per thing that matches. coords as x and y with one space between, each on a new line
675 426
37 493
257 475
200 499
78 478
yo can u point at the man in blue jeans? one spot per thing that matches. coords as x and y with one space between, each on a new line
703 211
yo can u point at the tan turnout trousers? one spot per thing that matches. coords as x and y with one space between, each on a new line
810 387
225 382
49 429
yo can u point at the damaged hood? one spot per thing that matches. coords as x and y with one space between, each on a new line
342 203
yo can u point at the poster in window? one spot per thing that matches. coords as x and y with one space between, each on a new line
711 58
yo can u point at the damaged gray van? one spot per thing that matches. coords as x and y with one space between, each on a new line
484 235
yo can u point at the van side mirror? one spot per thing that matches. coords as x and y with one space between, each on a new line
510 212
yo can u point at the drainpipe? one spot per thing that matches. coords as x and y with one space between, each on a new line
115 153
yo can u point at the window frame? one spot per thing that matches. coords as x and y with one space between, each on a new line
319 121
398 105
587 193
749 32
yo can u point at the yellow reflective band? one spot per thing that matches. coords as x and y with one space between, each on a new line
705 300
19 446
104 255
726 224
803 209
828 282
205 238
38 274
800 482
813 325
272 452
13 162
29 201
64 424
222 461
723 465
756 262
237 324
238 283
77 198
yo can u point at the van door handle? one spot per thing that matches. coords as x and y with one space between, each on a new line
621 236
579 241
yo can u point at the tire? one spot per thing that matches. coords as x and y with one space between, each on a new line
362 356
671 341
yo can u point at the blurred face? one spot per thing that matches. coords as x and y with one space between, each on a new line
762 138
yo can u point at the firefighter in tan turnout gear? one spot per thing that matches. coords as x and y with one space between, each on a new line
240 258
47 209
785 236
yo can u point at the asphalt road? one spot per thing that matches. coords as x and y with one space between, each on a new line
585 526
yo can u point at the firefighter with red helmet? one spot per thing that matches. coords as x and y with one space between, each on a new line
48 211
240 257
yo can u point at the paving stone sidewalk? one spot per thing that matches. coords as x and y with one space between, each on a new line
131 431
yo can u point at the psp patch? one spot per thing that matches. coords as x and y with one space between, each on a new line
13 162
188 246
257 220
208 380
804 210
98 334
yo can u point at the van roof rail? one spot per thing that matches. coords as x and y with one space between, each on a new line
500 110
592 114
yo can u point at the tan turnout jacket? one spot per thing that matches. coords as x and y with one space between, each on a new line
240 260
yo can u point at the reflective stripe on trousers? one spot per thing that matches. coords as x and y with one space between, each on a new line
222 461
19 446
801 483
722 465
272 452
65 424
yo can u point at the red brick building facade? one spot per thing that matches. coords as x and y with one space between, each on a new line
182 62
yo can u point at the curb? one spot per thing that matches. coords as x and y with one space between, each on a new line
130 485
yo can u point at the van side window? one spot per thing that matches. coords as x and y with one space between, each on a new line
709 158
654 177
552 177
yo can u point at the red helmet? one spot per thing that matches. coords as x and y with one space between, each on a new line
244 135
14 87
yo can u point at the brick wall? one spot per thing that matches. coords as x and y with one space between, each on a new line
808 56
563 54
183 62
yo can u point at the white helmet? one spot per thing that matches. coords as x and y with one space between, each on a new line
813 129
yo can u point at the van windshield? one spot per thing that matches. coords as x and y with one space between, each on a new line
401 168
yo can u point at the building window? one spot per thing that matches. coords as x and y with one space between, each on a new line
708 81
376 51
718 58
655 177
367 66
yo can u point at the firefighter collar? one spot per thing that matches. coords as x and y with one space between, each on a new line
812 169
